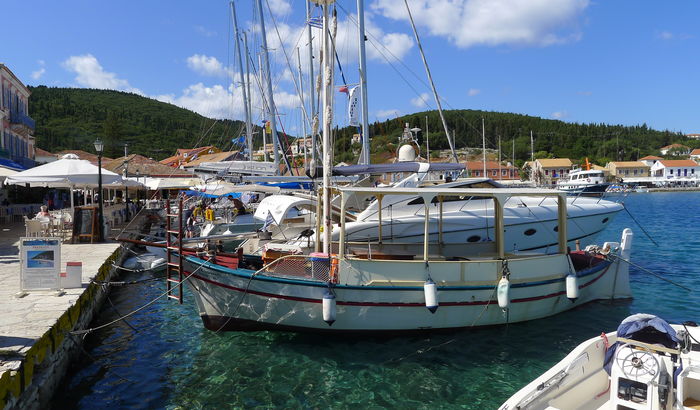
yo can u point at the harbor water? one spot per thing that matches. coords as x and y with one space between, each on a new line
162 357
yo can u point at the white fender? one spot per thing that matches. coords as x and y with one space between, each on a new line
503 293
430 291
572 287
329 308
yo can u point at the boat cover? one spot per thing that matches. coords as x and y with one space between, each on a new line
397 167
644 328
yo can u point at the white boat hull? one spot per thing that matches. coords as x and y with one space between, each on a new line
369 300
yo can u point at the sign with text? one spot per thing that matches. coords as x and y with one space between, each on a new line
41 263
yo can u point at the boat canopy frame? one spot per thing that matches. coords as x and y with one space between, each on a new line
498 195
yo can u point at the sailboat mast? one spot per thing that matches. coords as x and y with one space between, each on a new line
248 127
249 105
301 95
264 104
432 84
327 96
483 143
312 87
270 98
364 157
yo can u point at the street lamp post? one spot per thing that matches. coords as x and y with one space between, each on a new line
99 146
126 188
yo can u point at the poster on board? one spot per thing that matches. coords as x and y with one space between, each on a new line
41 263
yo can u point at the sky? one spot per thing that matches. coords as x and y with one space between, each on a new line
623 62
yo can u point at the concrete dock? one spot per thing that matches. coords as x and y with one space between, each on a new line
35 344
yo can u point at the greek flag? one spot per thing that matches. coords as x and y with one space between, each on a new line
268 221
315 22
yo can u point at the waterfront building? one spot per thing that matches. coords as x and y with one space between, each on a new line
693 136
16 126
626 169
547 171
494 170
675 150
675 171
695 155
650 160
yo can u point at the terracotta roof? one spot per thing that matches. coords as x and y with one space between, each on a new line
678 163
674 146
696 151
138 164
650 157
42 153
170 160
84 155
554 162
629 164
217 157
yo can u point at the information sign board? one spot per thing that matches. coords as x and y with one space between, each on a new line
41 263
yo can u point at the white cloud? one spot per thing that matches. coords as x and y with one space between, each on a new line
558 115
91 74
473 91
420 101
379 44
208 66
585 93
492 22
387 114
279 7
38 73
665 35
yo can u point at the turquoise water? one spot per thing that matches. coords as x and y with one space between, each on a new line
168 360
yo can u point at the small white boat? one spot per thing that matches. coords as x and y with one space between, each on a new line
584 181
646 364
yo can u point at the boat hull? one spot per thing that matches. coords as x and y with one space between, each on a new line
238 300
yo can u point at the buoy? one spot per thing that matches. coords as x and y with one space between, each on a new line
430 291
329 307
572 287
503 293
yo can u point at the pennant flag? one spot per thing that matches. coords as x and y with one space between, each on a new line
343 89
354 107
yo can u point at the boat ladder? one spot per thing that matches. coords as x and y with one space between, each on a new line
173 248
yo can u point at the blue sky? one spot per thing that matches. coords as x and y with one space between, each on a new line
617 62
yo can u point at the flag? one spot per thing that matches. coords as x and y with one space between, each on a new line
353 107
239 140
268 221
315 22
343 89
268 127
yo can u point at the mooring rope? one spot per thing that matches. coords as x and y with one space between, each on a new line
645 270
639 225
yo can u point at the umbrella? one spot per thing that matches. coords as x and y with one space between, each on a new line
67 172
171 183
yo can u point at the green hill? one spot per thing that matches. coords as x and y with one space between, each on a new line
72 118
599 142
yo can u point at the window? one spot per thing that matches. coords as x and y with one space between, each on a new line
546 172
494 173
504 172
635 172
474 238
530 232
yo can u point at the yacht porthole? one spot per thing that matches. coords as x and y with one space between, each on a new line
556 228
605 220
530 232
474 238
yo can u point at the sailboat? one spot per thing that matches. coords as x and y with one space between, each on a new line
379 287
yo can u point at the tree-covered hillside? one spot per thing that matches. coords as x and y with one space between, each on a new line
72 118
599 142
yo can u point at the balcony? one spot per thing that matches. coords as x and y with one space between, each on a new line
21 123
